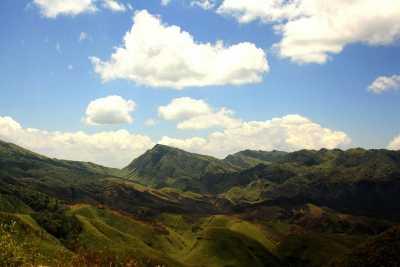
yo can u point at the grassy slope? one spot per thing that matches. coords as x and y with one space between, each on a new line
173 240
38 244
382 250
165 166
189 241
251 158
184 239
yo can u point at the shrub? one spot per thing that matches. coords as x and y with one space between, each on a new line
11 252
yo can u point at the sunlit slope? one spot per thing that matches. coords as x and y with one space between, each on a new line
165 166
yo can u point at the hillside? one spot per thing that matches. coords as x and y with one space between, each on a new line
382 251
25 174
364 182
250 158
165 166
294 209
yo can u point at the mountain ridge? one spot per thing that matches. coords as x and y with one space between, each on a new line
276 213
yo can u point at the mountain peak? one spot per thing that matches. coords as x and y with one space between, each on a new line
165 166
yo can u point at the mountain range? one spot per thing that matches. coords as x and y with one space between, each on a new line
169 207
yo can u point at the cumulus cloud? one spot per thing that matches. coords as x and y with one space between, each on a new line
204 4
385 83
113 148
197 114
289 133
395 144
223 118
118 148
183 108
114 5
313 30
159 55
54 8
109 110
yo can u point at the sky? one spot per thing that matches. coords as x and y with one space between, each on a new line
106 80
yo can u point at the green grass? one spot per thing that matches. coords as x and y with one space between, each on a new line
218 246
36 242
105 230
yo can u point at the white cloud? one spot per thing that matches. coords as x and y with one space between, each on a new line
289 133
118 148
83 36
150 122
191 144
183 108
54 8
114 148
165 2
159 55
197 114
385 83
114 5
313 30
395 143
204 4
222 118
109 110
70 67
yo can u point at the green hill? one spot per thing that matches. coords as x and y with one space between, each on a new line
165 166
250 158
382 251
288 209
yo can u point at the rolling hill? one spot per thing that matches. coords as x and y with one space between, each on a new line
165 166
250 158
178 209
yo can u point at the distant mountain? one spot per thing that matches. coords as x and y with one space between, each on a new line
165 166
288 209
359 181
250 158
17 162
25 175
364 182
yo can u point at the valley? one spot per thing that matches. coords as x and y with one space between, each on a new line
169 207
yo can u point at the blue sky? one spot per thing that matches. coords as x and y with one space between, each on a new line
48 80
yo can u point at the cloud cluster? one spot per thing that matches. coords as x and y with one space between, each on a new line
313 30
118 148
55 8
204 4
109 110
183 108
288 133
395 143
385 83
197 114
159 55
113 5
113 148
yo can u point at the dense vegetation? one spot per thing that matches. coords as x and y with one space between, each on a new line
325 208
